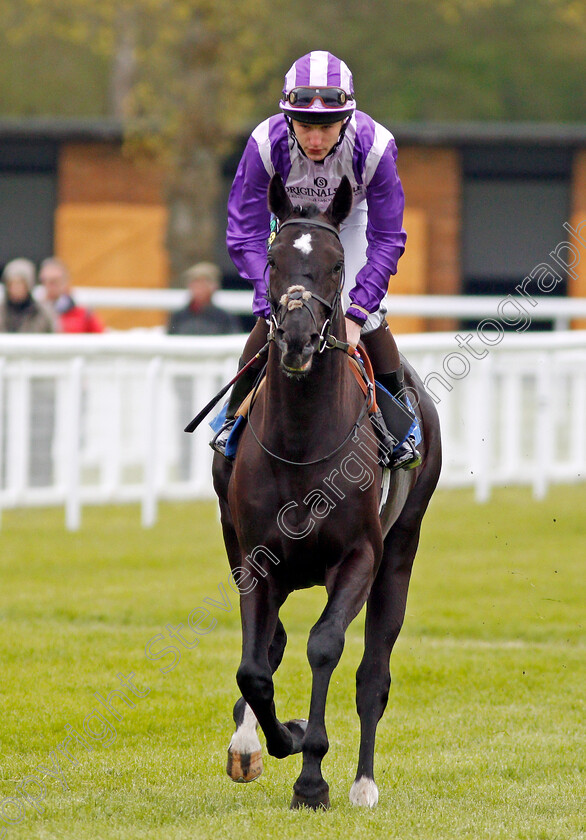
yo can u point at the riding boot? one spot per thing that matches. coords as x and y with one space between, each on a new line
398 418
386 441
240 390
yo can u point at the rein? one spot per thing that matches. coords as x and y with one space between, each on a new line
355 426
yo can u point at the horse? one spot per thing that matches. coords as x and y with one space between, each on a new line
299 507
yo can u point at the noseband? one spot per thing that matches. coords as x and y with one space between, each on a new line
297 297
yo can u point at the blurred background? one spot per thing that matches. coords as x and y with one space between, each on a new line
121 125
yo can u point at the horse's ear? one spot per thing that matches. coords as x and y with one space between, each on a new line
341 203
279 202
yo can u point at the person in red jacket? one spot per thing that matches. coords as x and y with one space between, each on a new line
56 281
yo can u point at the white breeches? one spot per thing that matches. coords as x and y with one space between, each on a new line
353 238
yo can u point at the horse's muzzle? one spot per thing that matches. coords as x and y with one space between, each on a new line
296 352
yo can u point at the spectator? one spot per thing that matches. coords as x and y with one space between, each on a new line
20 312
200 316
71 318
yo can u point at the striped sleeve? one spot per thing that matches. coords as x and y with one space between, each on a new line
384 233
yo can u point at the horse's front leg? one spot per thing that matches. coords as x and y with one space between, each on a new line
259 613
348 588
244 752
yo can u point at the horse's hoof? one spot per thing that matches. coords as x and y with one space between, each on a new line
244 767
314 803
297 729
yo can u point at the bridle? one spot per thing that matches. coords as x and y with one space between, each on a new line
297 297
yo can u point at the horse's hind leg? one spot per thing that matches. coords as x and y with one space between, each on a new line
384 618
244 753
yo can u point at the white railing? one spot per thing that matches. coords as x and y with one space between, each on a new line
90 419
506 309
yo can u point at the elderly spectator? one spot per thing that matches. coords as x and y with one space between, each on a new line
20 312
201 316
55 278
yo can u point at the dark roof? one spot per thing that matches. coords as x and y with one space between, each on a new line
58 129
491 133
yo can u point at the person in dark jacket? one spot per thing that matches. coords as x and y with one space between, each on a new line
20 312
201 316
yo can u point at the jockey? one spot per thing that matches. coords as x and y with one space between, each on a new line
318 137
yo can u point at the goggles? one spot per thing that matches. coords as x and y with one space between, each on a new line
330 97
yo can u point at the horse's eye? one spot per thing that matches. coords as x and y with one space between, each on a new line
270 261
338 267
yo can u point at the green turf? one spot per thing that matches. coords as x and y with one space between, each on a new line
483 736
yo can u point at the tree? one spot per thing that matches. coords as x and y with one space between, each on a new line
183 77
189 76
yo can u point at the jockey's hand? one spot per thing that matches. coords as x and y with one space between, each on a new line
352 332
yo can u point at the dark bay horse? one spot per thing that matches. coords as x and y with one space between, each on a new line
300 507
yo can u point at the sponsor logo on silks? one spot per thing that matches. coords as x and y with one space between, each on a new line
317 192
320 182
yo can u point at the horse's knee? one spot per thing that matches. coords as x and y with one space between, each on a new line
255 681
324 646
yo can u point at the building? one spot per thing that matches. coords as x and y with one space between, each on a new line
486 205
66 187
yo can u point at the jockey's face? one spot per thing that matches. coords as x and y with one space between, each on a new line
317 141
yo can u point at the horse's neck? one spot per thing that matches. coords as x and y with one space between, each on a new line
300 412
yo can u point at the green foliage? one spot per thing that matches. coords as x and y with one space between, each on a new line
221 65
483 737
44 76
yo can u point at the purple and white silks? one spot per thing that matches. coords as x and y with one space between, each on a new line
367 155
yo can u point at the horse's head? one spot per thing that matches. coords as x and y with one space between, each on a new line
306 272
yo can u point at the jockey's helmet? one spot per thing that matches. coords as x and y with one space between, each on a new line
318 89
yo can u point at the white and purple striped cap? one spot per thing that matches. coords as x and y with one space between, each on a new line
319 69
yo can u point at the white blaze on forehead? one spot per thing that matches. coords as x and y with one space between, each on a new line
303 243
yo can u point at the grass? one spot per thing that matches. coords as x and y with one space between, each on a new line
483 736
